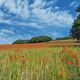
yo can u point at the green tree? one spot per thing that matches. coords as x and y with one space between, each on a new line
18 42
21 42
75 31
36 39
64 38
41 39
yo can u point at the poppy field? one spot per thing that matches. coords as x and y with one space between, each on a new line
42 63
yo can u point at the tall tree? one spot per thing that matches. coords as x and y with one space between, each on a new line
75 31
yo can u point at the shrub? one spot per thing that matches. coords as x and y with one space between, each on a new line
36 39
40 39
64 38
21 41
18 42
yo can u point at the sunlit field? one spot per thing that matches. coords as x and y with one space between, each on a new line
42 63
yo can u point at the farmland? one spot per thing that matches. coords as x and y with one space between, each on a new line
40 61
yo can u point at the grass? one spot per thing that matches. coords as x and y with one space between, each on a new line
46 63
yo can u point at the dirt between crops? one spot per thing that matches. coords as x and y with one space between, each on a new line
59 43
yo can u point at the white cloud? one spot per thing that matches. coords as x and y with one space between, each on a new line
74 4
5 21
30 24
6 31
21 9
42 3
36 3
56 34
1 2
56 7
57 18
4 38
1 14
33 25
2 35
10 39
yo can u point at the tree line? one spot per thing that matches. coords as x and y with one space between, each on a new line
36 39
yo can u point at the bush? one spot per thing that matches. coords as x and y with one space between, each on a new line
40 39
36 39
64 38
21 41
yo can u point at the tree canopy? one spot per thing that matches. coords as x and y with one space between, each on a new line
64 38
75 31
36 39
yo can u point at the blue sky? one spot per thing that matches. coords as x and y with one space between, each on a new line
23 19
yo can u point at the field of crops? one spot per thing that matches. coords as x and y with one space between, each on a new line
42 63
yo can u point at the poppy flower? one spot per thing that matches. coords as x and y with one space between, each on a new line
11 57
23 61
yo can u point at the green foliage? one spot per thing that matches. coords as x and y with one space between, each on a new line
64 38
21 41
75 31
18 41
40 39
34 40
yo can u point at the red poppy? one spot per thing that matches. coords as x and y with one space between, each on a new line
70 51
11 57
74 56
15 58
69 62
22 56
23 61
